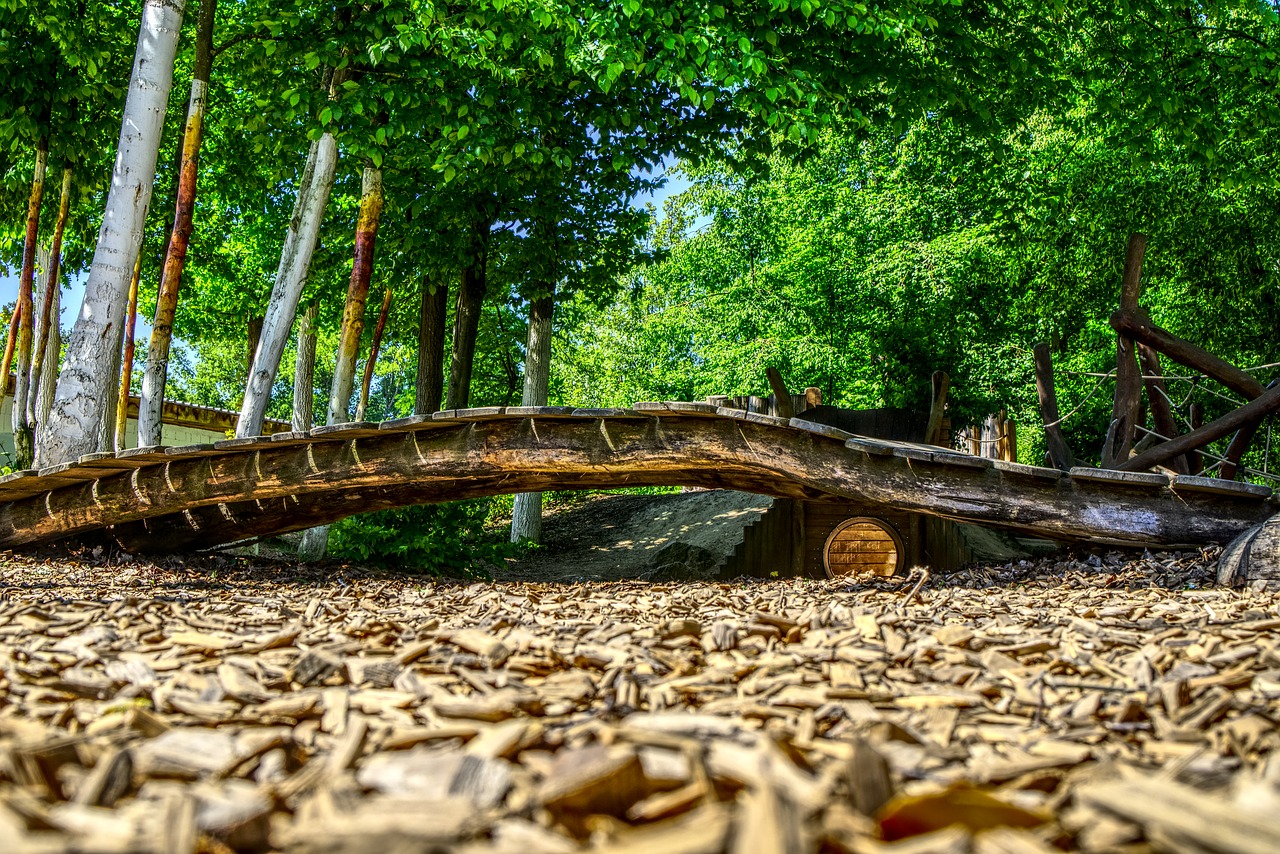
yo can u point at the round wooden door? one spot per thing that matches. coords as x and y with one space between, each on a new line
861 545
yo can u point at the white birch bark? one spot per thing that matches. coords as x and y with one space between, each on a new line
291 277
86 382
526 514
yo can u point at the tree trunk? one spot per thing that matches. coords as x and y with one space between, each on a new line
316 540
431 325
86 383
1124 413
369 364
253 337
126 368
47 318
291 277
304 371
526 514
6 364
151 402
344 372
466 327
52 350
23 439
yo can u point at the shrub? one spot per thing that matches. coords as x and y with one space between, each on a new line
441 539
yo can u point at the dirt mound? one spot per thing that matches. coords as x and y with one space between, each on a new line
649 537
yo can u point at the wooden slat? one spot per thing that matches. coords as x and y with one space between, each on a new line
204 449
147 453
246 443
821 429
1020 470
875 447
1219 486
477 413
1120 478
412 423
346 431
607 413
540 411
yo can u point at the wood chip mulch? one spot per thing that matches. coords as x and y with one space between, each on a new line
1107 703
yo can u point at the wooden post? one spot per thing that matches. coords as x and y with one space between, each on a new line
782 397
1059 451
720 400
1235 451
755 403
797 538
1256 409
1158 399
1124 411
941 385
1141 329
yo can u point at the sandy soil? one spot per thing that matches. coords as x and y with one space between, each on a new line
616 537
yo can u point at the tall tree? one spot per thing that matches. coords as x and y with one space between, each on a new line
24 452
151 400
83 385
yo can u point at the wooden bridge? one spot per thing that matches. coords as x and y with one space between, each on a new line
164 499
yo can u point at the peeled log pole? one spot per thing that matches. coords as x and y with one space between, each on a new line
1124 411
1059 451
121 421
780 394
300 240
23 436
46 315
367 380
1255 409
1158 399
344 373
1140 328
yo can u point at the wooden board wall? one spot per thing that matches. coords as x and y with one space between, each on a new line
789 538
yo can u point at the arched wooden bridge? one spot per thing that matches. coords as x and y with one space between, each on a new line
167 499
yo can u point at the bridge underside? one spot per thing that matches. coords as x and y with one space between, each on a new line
174 499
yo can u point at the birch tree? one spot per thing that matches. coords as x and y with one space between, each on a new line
84 384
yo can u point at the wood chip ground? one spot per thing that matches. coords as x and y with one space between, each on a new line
1113 703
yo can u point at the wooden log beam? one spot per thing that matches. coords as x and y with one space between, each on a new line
1158 399
1124 410
1255 409
1059 451
510 453
781 397
1140 328
941 383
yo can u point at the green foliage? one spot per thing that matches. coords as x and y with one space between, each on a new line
439 539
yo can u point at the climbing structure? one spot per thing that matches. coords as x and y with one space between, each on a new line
161 499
